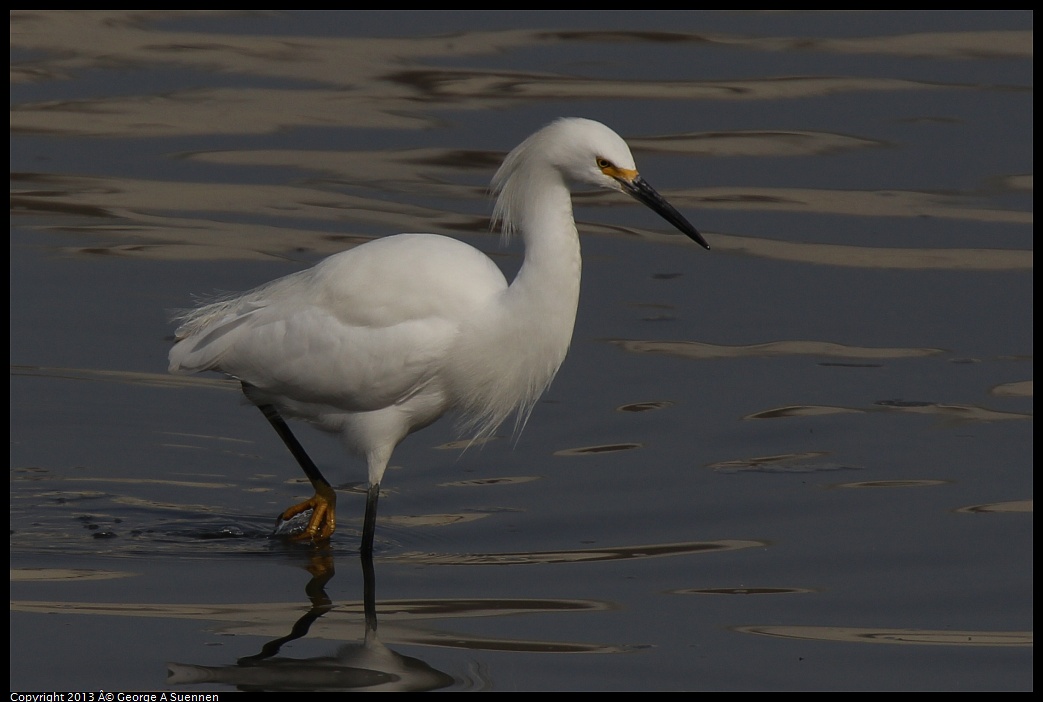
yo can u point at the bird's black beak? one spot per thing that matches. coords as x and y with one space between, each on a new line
647 195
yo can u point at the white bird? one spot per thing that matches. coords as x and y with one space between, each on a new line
381 340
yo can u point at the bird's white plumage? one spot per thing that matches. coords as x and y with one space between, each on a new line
380 340
361 331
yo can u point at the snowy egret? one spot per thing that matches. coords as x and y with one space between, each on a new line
381 340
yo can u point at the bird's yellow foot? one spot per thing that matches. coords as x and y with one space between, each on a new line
323 520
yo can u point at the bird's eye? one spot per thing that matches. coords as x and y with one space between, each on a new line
604 163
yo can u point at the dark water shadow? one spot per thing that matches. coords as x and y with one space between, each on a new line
367 665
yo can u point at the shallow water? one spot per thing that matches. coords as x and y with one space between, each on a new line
801 460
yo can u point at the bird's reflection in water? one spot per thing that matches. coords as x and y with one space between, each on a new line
369 665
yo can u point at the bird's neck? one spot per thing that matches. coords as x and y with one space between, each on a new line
547 285
529 329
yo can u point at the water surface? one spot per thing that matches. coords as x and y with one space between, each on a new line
802 460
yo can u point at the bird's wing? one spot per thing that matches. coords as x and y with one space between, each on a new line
306 354
363 330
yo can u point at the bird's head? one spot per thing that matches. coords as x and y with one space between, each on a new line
589 152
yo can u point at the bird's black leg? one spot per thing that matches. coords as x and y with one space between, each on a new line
324 503
369 596
283 430
369 524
